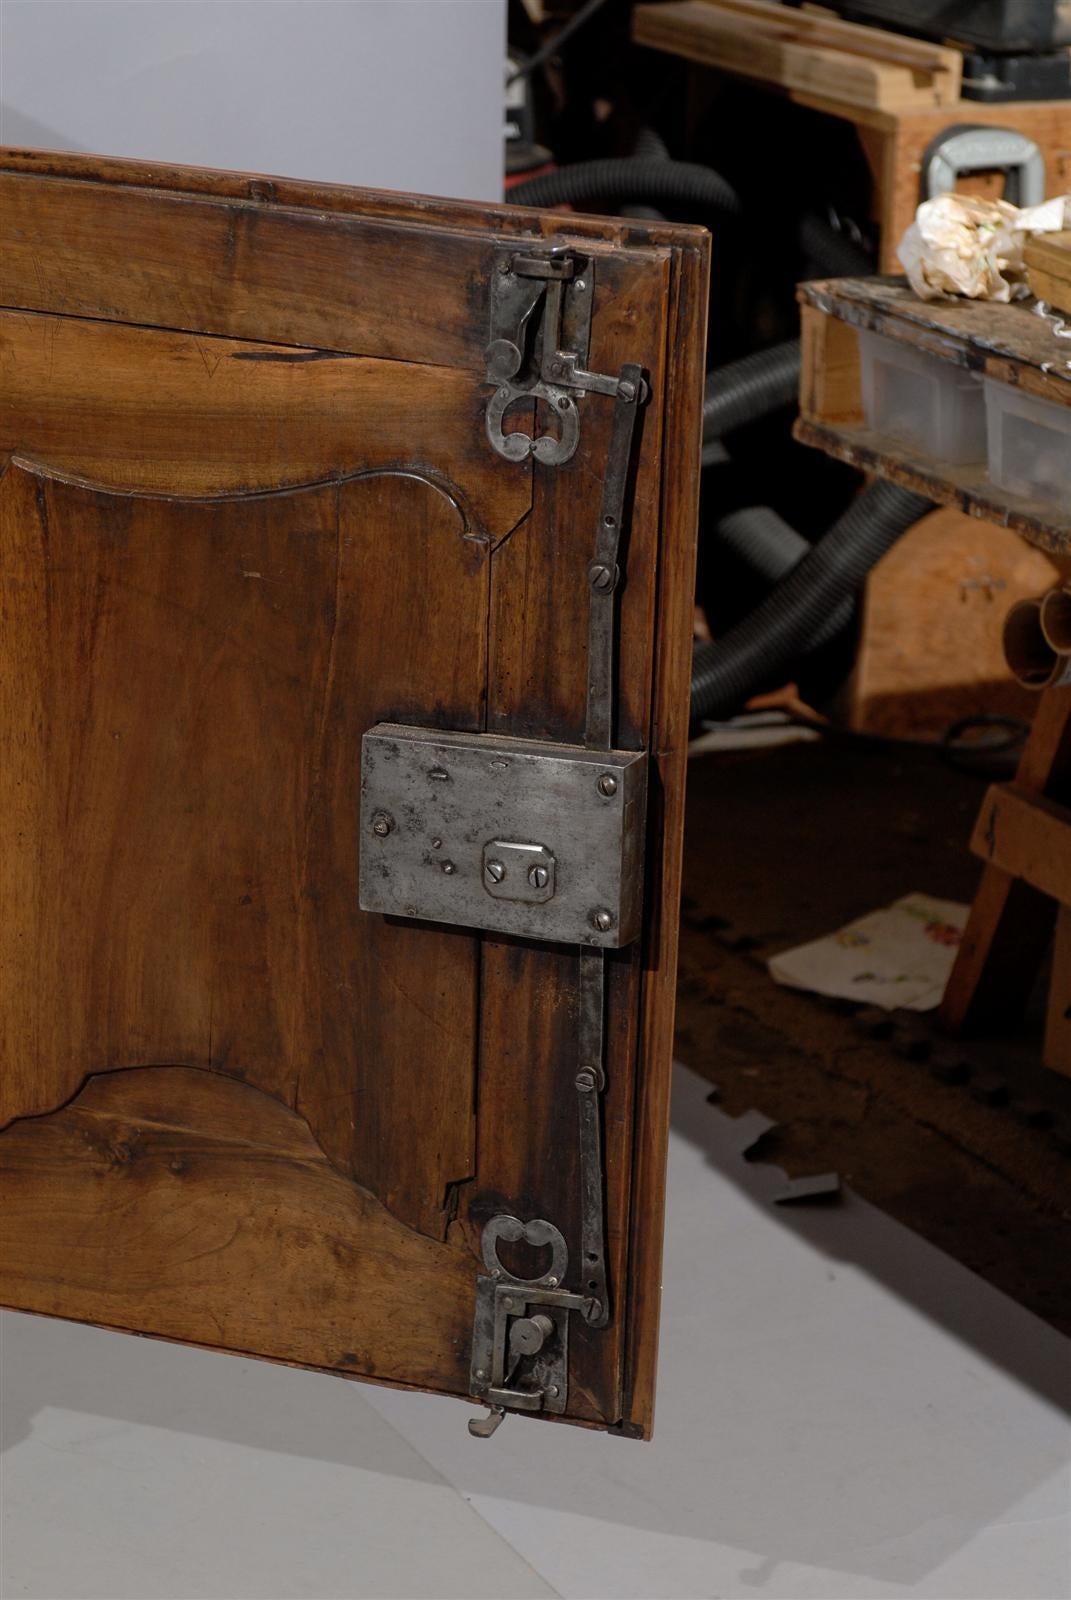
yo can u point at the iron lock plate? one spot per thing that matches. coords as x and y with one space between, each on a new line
540 840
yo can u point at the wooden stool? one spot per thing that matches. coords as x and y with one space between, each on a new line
1023 834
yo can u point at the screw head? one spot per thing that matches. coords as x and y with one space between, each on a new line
552 1390
538 876
382 824
479 1373
448 867
602 920
626 389
602 578
607 785
495 871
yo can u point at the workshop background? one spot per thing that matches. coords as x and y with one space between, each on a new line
865 1374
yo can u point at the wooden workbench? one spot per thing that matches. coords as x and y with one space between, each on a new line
1009 343
1023 833
898 93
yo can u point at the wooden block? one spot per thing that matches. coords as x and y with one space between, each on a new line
840 61
1056 1050
930 647
829 376
1048 268
1027 836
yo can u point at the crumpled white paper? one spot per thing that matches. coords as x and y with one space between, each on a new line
898 958
960 244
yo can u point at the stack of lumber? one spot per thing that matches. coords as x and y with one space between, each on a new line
804 51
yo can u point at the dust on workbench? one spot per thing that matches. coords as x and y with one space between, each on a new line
969 1145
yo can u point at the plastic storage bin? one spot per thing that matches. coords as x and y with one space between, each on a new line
935 408
1029 444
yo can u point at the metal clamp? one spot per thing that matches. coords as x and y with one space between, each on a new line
971 147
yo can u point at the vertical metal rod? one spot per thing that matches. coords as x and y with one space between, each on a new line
603 578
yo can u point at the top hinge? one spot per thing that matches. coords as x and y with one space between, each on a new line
539 334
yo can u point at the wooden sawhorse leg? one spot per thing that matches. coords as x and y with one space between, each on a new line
1023 834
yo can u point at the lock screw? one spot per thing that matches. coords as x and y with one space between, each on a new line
602 920
495 871
607 785
382 824
538 876
601 577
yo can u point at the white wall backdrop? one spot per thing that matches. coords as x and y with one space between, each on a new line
398 94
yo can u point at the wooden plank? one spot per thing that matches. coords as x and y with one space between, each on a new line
930 644
669 747
1000 955
1010 923
144 411
830 389
1048 268
1008 342
1056 1049
340 200
822 27
219 1221
183 688
1028 836
853 65
968 489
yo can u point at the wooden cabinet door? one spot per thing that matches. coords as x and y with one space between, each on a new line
268 481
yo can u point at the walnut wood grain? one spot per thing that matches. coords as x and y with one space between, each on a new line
528 1035
151 412
176 1202
249 509
185 685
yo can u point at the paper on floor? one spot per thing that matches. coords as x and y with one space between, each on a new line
897 958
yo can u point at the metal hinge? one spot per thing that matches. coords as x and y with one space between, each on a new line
540 325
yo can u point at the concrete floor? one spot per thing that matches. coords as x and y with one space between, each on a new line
844 1412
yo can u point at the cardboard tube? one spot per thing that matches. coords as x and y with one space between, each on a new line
1032 660
1056 620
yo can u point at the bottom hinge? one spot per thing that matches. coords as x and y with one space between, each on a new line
520 1335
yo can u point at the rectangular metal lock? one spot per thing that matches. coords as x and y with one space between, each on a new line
545 841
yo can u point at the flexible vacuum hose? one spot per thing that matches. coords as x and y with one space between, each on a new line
647 179
782 628
766 544
833 253
750 388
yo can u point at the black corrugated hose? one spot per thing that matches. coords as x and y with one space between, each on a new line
782 627
814 585
749 389
648 179
770 547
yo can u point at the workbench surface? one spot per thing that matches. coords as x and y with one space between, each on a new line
1010 343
